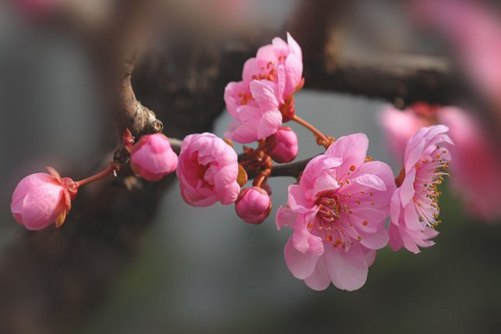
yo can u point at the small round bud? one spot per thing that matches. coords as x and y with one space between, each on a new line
42 199
282 146
152 157
253 205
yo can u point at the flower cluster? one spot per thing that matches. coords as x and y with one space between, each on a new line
339 206
264 98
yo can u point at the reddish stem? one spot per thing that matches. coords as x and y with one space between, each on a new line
258 182
322 139
111 169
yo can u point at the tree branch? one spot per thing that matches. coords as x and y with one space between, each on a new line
52 279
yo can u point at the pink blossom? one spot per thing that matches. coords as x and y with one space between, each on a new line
337 214
42 199
253 205
280 62
414 205
476 163
258 103
253 109
152 157
400 125
207 170
282 146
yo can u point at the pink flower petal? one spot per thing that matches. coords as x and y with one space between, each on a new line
347 270
300 264
319 279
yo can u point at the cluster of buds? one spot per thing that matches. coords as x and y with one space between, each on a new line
338 208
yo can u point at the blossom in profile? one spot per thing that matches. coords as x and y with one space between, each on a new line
152 157
337 214
259 102
207 170
42 199
414 205
253 205
475 162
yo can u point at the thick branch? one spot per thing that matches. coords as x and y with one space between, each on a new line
399 79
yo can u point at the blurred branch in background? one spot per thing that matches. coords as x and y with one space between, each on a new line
53 278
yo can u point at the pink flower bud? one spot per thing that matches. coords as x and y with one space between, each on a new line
42 199
253 205
282 145
152 157
208 170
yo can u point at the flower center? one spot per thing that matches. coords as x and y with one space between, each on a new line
328 209
430 174
329 224
245 98
267 73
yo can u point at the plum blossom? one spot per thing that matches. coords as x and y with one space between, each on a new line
207 170
42 199
257 104
337 214
414 205
475 165
253 205
152 157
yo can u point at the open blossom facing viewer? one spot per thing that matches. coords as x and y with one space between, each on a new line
337 213
258 102
207 170
42 199
414 205
152 157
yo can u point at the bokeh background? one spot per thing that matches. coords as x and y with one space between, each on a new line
203 270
